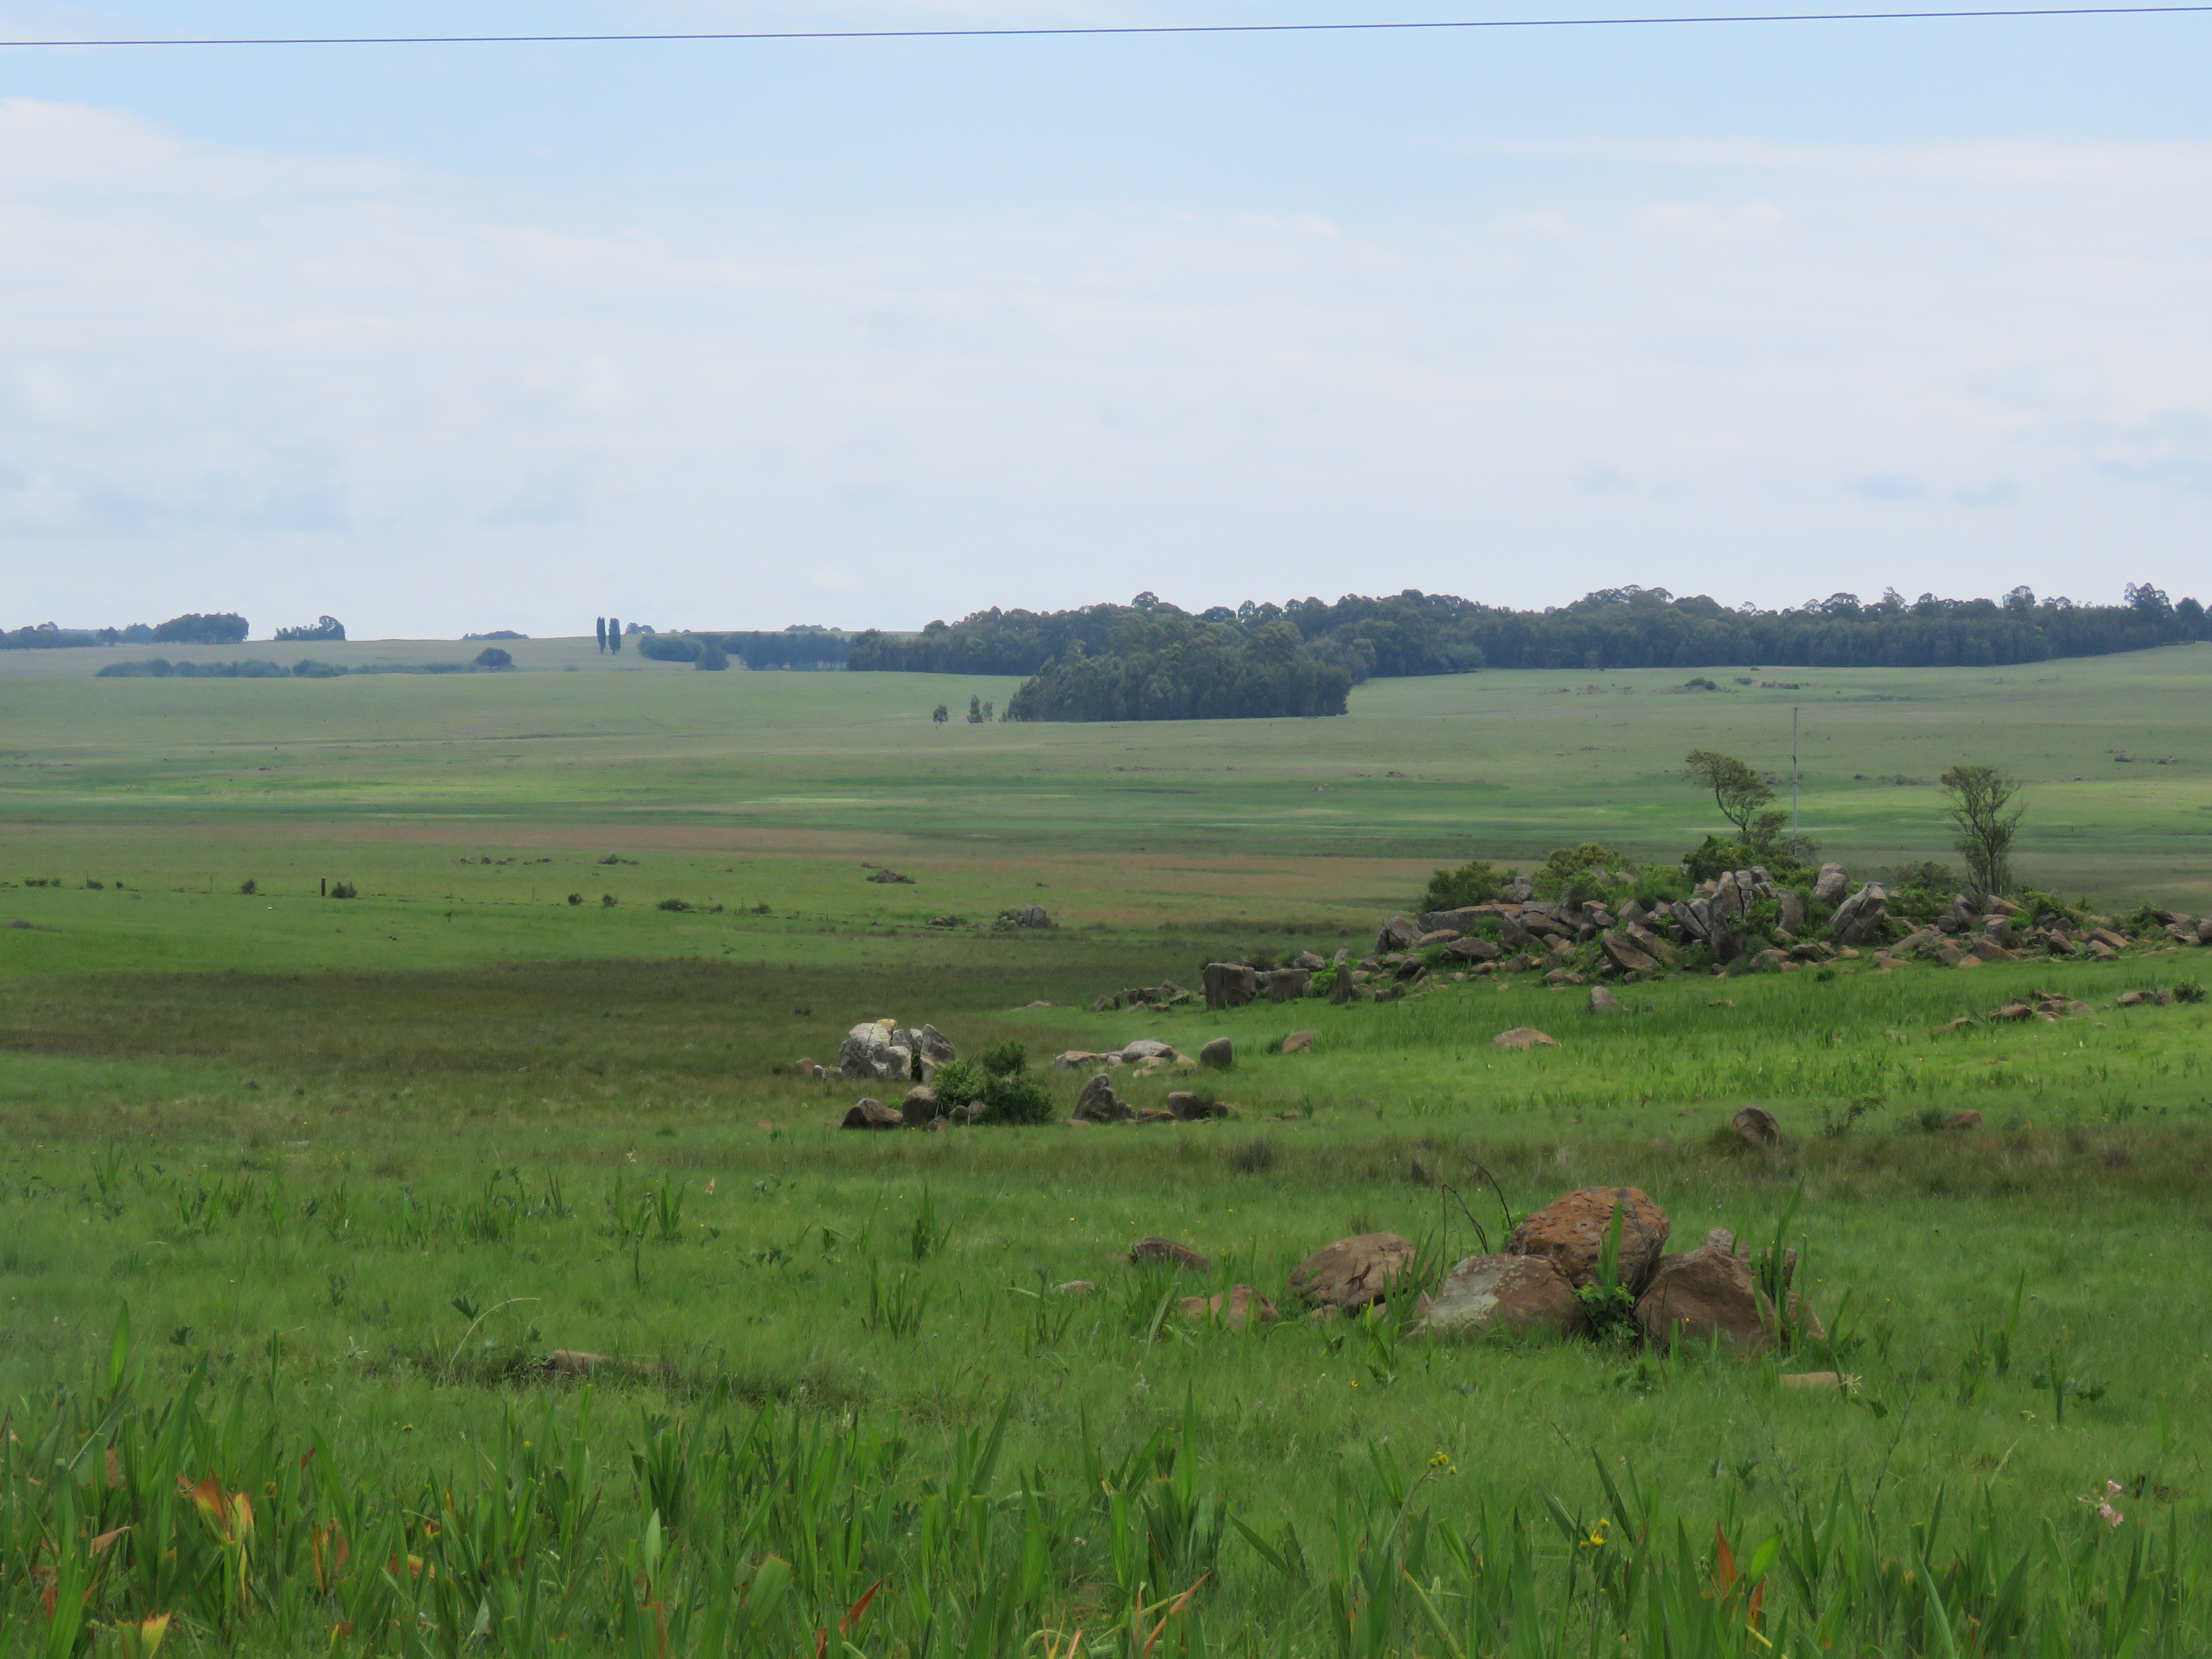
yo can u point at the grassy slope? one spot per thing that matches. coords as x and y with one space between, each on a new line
467 1022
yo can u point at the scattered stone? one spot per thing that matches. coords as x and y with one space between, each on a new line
1189 1107
1031 915
2015 1010
1818 1380
1298 1042
872 1115
1504 1292
1966 1119
1220 1055
807 1069
1098 1103
1076 1288
1523 1036
1571 1231
1166 1249
1756 1126
920 1107
1353 1272
1242 1305
1561 977
887 875
1603 1001
1148 1049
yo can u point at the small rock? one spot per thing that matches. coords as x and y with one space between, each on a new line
1966 1119
1189 1108
2015 1010
1076 1288
1155 1114
1571 1231
1238 1311
1298 1042
1523 1036
1504 1292
1220 1054
1353 1272
1603 1001
1817 1380
1166 1249
1756 1126
872 1115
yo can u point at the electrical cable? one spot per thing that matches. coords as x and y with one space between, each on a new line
1115 29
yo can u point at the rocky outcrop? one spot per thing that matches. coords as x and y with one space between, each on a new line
1098 1103
1353 1272
870 1054
1831 884
1624 955
1503 1293
1572 1230
1399 933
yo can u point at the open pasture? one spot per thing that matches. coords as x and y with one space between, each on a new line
358 1168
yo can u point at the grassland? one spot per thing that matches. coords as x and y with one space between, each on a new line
356 1167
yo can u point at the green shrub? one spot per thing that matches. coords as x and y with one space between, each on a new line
1006 1059
673 904
1010 1098
1566 878
1473 883
958 1082
344 889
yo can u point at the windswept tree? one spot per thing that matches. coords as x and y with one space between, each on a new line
1740 794
1986 808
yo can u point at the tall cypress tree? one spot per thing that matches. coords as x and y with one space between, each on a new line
602 625
613 635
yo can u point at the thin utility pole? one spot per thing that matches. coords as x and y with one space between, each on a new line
1795 841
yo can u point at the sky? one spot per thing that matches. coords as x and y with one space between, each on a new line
442 338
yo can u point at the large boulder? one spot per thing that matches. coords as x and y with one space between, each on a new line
1571 1231
872 1115
1503 1293
1710 1292
1831 884
1098 1103
1624 955
1473 947
934 1047
1353 1272
869 1055
1288 984
1220 1054
1148 1049
1228 985
1860 917
1157 1250
920 1106
1239 1308
1791 908
1399 933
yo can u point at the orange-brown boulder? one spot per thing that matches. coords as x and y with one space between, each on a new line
1503 1293
1353 1272
1571 1230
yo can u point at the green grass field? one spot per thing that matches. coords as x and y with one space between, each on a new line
354 1167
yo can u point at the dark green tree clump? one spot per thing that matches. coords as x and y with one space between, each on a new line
325 628
1164 665
1473 883
1418 633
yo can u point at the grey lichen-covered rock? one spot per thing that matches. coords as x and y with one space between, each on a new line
873 1053
1831 884
1503 1293
1148 1049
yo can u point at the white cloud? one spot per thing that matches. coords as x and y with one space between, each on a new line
345 385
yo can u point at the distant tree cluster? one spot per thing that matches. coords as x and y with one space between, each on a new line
1157 664
795 647
1417 633
223 628
326 627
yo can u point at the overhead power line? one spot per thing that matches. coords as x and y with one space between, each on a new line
1116 29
